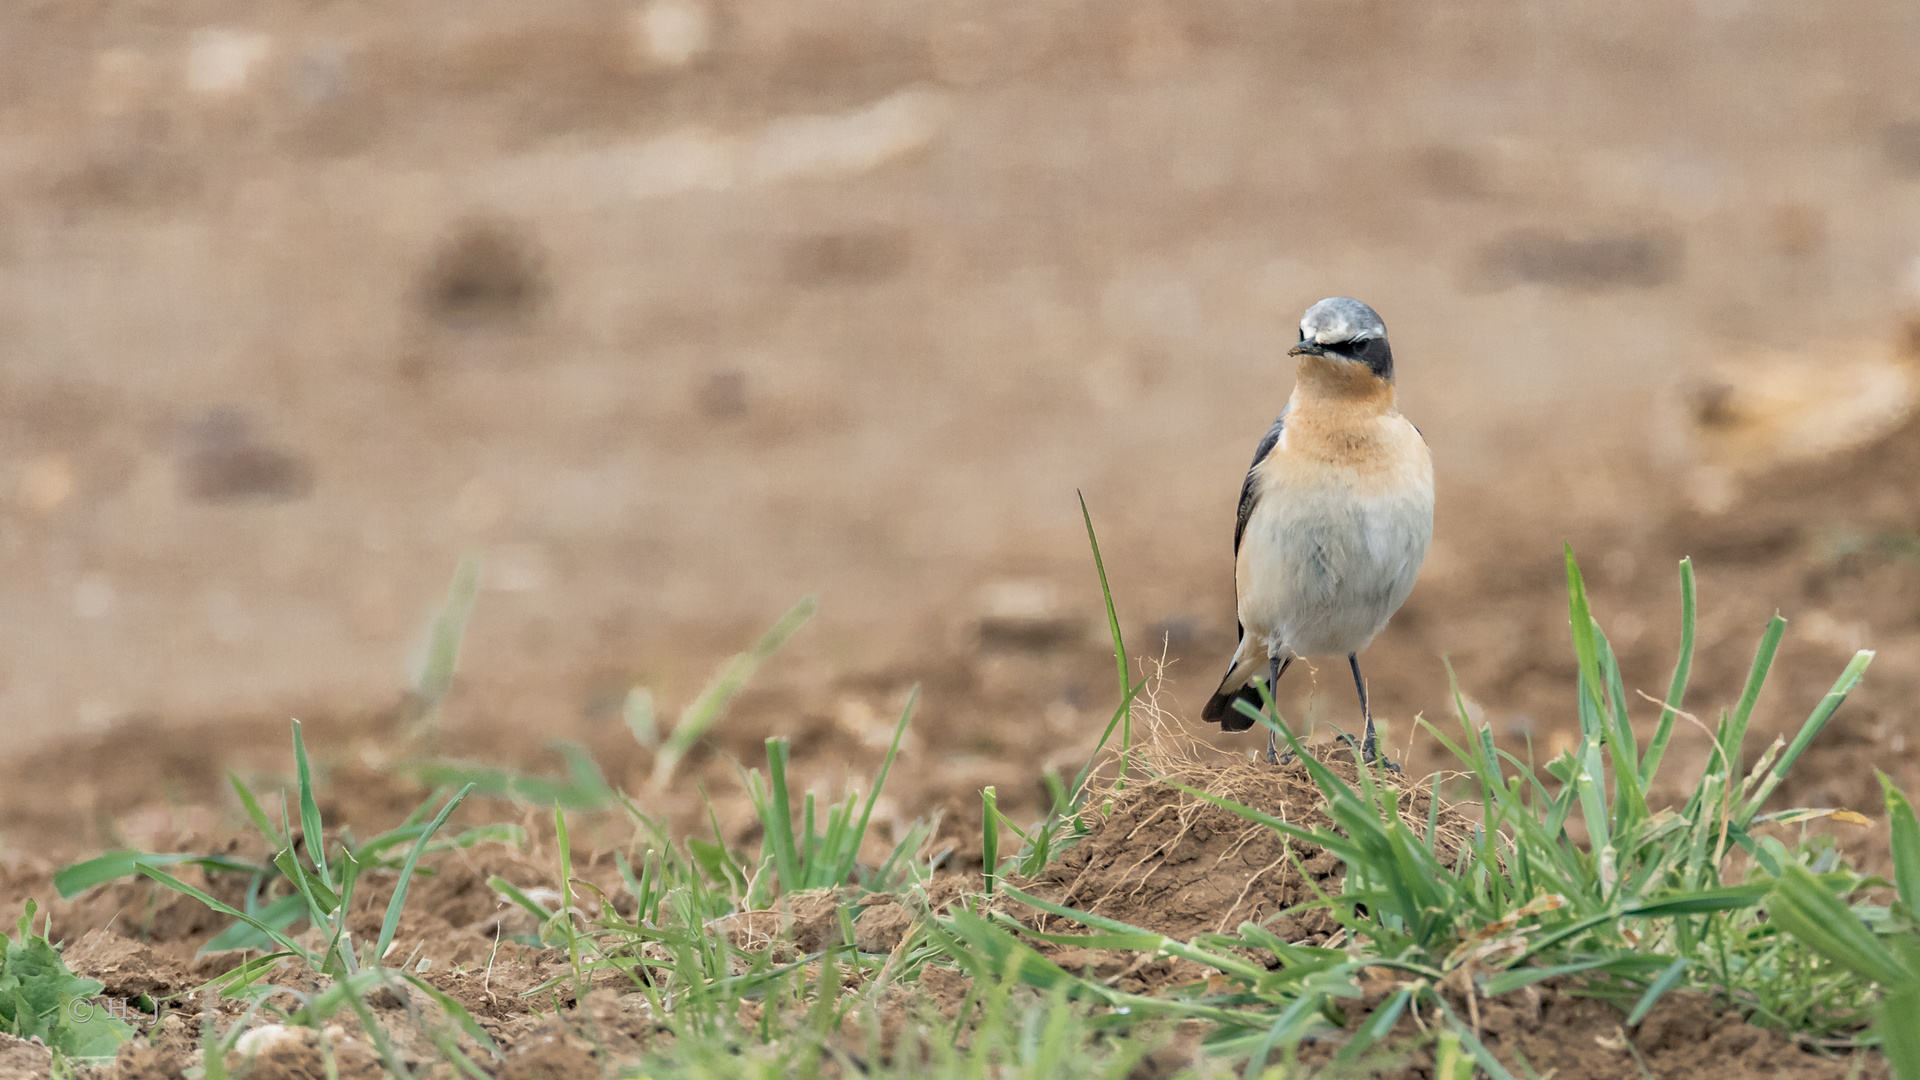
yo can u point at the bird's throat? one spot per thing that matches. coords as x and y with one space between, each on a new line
1340 383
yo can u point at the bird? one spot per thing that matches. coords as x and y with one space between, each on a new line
1336 514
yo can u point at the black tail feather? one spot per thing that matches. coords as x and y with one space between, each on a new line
1220 710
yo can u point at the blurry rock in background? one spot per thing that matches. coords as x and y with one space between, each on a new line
851 257
45 482
222 60
1020 615
723 395
671 33
1758 410
1607 260
221 460
487 272
1901 143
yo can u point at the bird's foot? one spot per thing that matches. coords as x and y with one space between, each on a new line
1274 756
1369 754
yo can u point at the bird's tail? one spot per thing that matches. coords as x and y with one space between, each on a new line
1219 709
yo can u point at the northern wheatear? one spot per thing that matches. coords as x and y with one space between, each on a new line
1335 514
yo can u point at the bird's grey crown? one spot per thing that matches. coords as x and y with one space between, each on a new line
1340 318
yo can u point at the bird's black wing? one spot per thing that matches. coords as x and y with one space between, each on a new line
1250 488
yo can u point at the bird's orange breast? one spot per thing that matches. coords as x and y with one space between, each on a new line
1342 428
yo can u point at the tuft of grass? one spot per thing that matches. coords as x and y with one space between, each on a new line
812 857
1878 944
312 886
324 877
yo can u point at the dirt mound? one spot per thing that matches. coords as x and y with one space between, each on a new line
1164 860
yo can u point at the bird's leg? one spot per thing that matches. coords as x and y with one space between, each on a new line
1368 751
1276 667
1273 692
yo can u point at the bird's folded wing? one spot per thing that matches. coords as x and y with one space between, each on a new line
1250 488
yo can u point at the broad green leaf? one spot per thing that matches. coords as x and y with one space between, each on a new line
1906 842
1809 911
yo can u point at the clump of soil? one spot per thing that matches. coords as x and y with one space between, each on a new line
1161 859
23 1060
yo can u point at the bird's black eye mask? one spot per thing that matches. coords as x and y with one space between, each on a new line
1372 351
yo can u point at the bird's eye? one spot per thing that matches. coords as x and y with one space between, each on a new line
1303 333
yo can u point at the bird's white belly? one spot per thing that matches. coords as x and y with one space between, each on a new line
1323 568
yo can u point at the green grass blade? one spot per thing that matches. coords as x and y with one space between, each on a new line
990 837
392 922
312 836
1585 649
1742 714
1508 981
1120 714
1630 801
776 817
457 1011
637 711
1477 1049
1229 964
260 820
1376 1026
879 782
583 788
1449 1065
279 914
323 900
805 839
1899 1035
697 717
1106 596
564 845
235 982
1677 689
1835 697
439 656
1809 911
212 904
1906 843
70 881
1119 645
519 898
1659 988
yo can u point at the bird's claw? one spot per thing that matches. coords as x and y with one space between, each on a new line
1274 757
1369 754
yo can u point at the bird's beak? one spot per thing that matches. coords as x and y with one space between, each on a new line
1307 348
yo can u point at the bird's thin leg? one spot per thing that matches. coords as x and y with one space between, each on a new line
1368 751
1273 692
1276 667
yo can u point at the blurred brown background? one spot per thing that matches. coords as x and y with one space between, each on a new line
677 310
